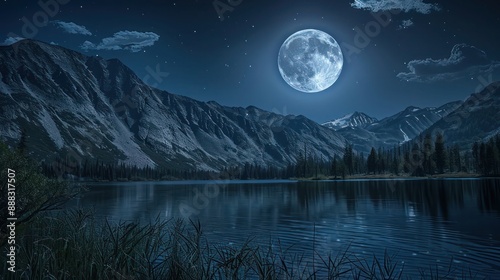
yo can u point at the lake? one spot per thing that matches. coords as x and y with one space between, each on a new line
425 223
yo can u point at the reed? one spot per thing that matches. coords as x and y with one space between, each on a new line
77 245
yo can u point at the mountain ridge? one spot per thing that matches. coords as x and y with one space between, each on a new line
476 119
393 130
89 107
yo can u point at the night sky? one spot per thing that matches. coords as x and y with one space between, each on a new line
417 53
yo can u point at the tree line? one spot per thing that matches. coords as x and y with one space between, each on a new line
423 156
486 156
426 155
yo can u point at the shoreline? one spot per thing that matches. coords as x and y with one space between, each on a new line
397 177
319 178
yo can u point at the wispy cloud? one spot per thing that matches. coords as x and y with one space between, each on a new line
11 40
71 27
403 5
406 24
133 41
464 61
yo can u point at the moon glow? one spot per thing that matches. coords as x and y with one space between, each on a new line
310 60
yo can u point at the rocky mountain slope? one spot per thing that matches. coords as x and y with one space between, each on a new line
72 105
477 119
393 130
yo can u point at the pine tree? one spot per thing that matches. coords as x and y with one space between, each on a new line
490 158
475 155
348 158
342 169
406 162
395 164
483 163
439 153
380 161
372 161
334 167
456 158
427 152
416 160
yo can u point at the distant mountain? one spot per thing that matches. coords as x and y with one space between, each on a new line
78 106
409 123
393 130
477 119
355 119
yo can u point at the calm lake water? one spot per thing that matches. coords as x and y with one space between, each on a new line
424 222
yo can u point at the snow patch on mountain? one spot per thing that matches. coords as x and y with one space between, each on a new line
122 139
50 126
406 138
355 119
339 123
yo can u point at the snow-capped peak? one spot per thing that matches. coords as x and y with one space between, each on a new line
355 119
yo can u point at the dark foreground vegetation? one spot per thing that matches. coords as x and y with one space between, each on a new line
34 193
76 245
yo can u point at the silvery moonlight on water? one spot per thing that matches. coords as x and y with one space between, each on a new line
310 60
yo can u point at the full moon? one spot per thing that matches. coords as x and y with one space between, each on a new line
310 60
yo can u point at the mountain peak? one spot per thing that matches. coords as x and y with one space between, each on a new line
30 43
356 119
412 109
21 41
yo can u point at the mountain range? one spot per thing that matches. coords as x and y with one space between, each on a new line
81 106
476 119
365 132
461 122
86 107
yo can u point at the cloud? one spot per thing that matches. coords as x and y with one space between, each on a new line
71 27
403 5
405 24
11 40
464 61
133 41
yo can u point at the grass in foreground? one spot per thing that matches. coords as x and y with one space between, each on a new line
76 245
